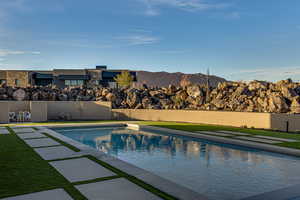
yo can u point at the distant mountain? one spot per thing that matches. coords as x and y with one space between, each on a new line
163 79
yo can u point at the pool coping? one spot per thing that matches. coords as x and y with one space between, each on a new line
156 181
256 145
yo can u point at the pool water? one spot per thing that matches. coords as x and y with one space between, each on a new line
215 170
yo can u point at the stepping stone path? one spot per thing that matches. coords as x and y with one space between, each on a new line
43 142
57 194
115 189
234 133
213 133
81 169
275 138
57 152
3 131
31 135
23 130
258 140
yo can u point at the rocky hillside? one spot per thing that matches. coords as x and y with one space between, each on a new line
164 79
256 96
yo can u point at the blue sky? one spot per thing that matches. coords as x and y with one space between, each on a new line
235 39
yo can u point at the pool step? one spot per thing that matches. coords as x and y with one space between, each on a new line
213 133
254 139
274 138
234 133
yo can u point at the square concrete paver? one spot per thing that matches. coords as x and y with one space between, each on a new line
213 133
275 138
81 169
43 142
31 135
3 131
115 189
258 140
57 152
57 194
234 133
24 130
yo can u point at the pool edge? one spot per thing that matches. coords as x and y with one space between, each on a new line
160 183
260 146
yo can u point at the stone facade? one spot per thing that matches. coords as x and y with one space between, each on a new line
16 78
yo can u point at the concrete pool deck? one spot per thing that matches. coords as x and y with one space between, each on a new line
91 190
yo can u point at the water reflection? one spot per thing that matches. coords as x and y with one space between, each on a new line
216 170
127 140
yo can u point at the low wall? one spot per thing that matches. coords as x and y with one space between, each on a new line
238 119
79 110
54 110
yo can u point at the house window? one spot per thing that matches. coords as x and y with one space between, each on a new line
74 82
17 82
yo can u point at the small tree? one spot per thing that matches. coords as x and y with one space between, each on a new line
124 79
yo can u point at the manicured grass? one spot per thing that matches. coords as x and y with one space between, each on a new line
24 171
204 127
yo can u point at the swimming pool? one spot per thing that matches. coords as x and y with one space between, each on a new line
219 171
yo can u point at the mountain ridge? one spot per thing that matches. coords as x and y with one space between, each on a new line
163 78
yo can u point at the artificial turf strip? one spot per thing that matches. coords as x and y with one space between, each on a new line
133 179
62 142
23 171
96 180
204 127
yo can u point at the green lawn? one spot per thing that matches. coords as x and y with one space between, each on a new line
23 171
204 127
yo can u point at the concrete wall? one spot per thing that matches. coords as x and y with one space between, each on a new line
79 110
54 110
259 120
238 119
39 112
285 122
17 106
4 109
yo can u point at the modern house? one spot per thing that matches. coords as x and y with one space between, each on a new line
62 77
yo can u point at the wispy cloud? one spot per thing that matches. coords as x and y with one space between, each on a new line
139 39
270 74
78 44
152 7
5 52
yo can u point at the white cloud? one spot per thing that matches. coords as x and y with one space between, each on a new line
4 52
152 6
139 39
